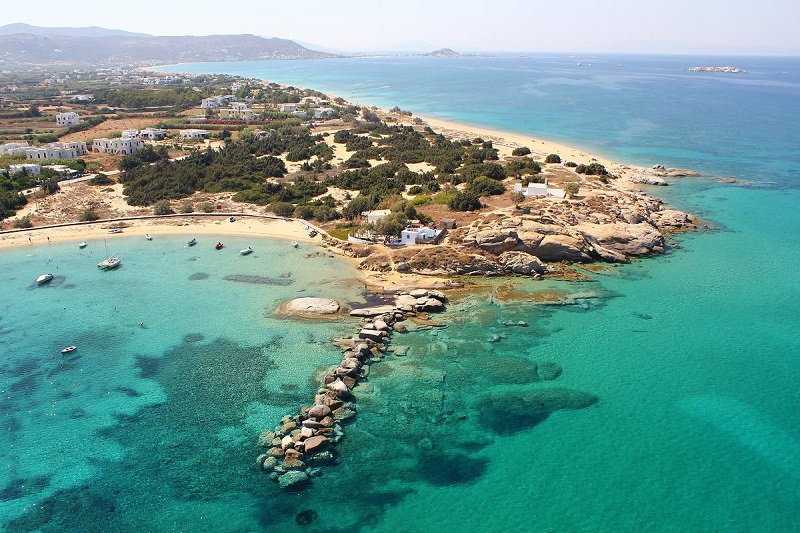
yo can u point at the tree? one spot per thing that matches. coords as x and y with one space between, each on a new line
162 207
89 214
552 158
465 201
522 150
357 205
483 186
50 186
282 209
572 189
101 179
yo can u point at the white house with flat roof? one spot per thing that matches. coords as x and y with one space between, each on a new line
14 148
376 215
193 134
287 108
29 168
121 145
323 112
69 118
421 235
58 150
215 102
231 113
153 134
539 189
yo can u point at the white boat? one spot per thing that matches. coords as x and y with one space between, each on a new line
109 264
82 245
69 349
115 230
44 278
295 244
192 242
148 237
246 251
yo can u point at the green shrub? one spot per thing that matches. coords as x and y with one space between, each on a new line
101 179
483 186
522 150
187 207
23 222
572 188
552 158
162 207
282 209
570 164
89 215
416 189
465 201
207 208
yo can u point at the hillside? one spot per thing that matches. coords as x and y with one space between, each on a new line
99 47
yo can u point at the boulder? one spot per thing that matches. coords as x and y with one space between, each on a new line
555 248
381 325
372 311
293 479
402 267
405 300
626 239
522 263
310 307
418 293
399 328
372 334
429 304
341 390
306 432
496 241
316 443
293 463
319 411
287 442
269 463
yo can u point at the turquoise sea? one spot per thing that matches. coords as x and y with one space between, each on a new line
693 356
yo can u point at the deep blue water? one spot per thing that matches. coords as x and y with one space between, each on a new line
693 356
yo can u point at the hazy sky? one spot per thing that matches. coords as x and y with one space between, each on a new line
641 26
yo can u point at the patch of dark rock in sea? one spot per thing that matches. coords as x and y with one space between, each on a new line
643 316
19 488
258 280
198 276
515 411
23 368
129 392
12 425
511 370
65 510
69 286
444 469
193 337
64 366
148 366
26 385
306 517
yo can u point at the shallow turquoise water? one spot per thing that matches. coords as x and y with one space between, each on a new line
693 356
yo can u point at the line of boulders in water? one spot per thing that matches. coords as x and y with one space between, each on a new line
304 443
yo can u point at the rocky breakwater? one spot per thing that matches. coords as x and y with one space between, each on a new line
302 444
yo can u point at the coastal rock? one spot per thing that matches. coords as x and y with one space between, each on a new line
673 220
515 411
429 304
293 479
372 334
496 241
522 263
405 300
556 248
402 267
316 443
339 388
319 411
310 307
626 239
372 311
269 463
293 463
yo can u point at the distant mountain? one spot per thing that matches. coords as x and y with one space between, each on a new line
91 31
124 48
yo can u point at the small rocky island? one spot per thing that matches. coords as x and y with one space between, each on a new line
726 69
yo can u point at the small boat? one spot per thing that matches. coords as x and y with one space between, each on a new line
115 230
82 245
246 251
295 244
109 264
44 278
148 237
69 349
219 246
192 242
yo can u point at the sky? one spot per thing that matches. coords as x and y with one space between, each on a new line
721 27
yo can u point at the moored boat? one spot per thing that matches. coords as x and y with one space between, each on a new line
69 349
192 242
295 244
246 251
115 230
44 278
219 246
109 264
84 244
148 237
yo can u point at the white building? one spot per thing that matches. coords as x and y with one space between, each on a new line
153 134
215 102
29 168
129 134
14 148
192 134
376 215
59 150
423 235
68 119
122 145
323 112
287 108
539 189
231 113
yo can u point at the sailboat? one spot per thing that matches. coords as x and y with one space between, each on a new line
110 263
